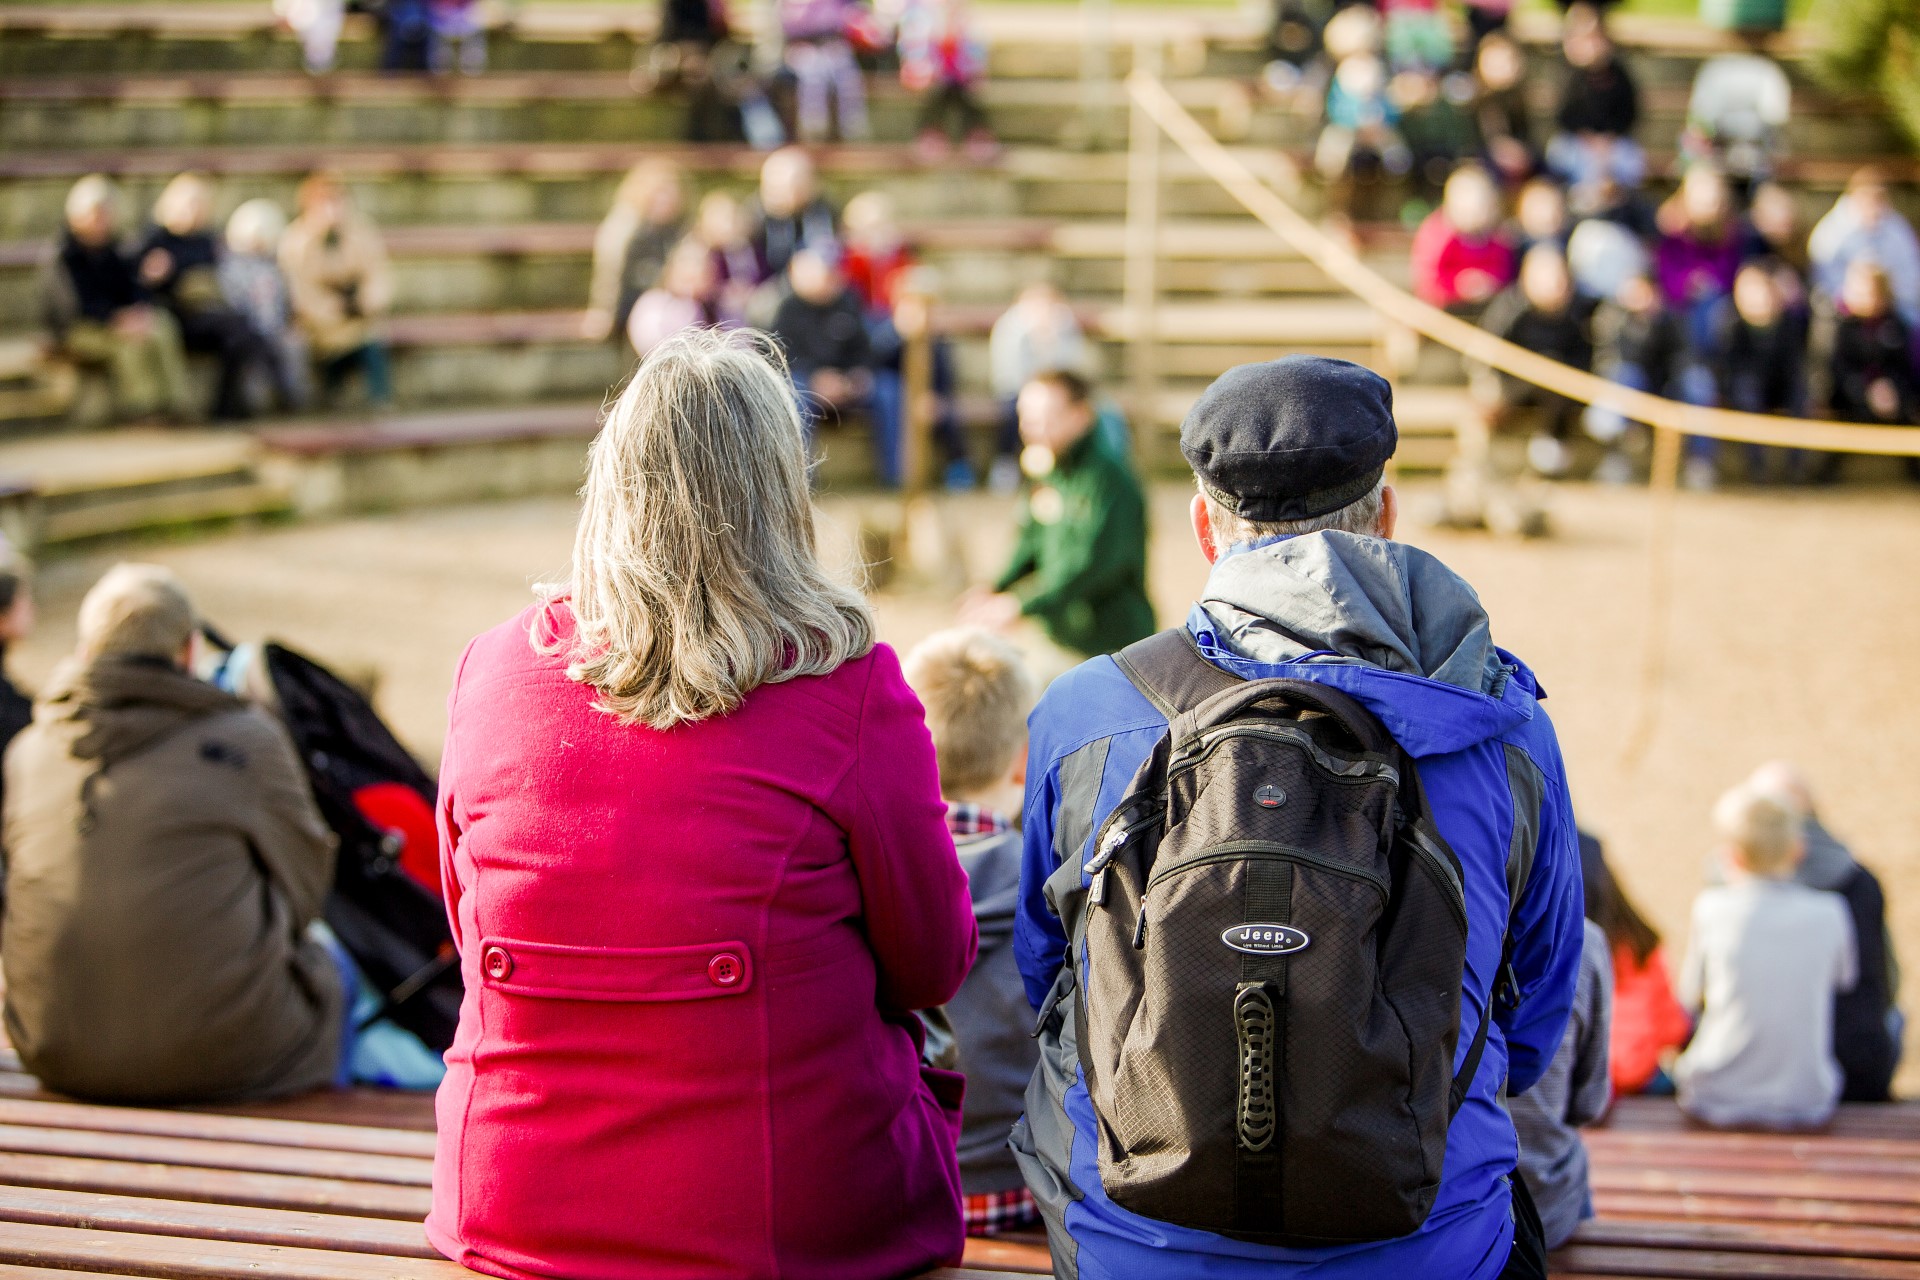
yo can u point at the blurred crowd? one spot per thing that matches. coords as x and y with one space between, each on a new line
288 310
841 289
1545 230
802 78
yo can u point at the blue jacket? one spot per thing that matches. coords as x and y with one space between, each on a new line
1393 627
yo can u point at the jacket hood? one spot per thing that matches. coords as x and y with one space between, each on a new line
1828 864
124 705
1383 621
992 864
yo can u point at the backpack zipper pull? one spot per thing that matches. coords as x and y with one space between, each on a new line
1102 859
1140 928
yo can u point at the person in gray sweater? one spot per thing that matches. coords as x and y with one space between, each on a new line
976 693
1573 1093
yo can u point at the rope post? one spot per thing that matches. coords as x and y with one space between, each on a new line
1096 71
1141 285
1662 486
913 319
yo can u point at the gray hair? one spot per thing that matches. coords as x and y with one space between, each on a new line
1361 516
695 578
95 191
135 611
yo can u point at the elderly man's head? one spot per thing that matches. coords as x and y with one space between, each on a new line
93 209
136 611
1291 446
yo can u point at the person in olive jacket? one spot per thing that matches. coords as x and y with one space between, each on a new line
164 859
1079 568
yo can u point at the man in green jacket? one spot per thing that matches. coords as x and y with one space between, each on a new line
1079 568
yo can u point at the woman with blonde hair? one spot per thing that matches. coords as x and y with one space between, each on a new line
700 876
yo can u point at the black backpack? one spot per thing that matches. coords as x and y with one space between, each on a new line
394 927
1274 937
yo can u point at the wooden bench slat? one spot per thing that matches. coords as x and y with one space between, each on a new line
194 1124
200 1153
1009 1255
1614 1144
1818 1186
1689 1264
1810 1159
181 1258
1813 1239
1856 1120
218 1186
1641 1204
365 1107
152 1216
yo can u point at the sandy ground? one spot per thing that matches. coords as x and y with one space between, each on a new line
1796 632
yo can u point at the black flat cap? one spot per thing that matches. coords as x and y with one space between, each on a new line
1292 438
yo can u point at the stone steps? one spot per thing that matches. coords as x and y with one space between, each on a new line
1046 40
75 487
360 108
545 266
510 183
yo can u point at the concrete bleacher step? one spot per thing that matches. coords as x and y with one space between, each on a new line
979 261
74 487
570 181
361 108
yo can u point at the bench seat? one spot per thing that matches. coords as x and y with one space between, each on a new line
246 1191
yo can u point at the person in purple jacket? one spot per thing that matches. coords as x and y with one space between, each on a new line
1295 516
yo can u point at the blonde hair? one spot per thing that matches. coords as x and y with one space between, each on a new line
1765 829
135 611
976 693
695 578
185 203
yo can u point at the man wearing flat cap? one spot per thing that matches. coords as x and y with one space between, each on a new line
1296 519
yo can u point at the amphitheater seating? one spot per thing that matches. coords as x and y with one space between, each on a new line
488 187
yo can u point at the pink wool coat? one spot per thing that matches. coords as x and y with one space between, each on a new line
683 1051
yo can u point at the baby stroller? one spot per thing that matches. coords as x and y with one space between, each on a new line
386 904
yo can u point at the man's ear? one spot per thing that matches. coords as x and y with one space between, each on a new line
1389 512
1203 528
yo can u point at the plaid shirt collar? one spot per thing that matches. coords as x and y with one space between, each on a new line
965 818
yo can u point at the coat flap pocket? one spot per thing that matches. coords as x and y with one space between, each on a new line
642 974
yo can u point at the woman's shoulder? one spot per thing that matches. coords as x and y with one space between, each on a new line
536 638
852 685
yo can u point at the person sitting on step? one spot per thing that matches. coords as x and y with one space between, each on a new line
100 313
976 692
1765 958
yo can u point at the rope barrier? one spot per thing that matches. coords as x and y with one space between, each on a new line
1387 298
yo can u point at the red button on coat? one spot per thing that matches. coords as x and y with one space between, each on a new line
497 963
724 969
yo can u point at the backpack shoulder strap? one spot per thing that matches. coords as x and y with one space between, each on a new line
1168 669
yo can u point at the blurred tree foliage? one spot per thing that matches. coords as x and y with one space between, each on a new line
1877 43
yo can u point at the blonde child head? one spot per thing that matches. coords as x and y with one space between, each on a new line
1762 833
976 692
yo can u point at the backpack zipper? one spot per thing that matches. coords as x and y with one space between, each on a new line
1341 770
1237 848
1442 866
1112 839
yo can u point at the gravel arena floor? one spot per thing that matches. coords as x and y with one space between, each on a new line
1785 640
